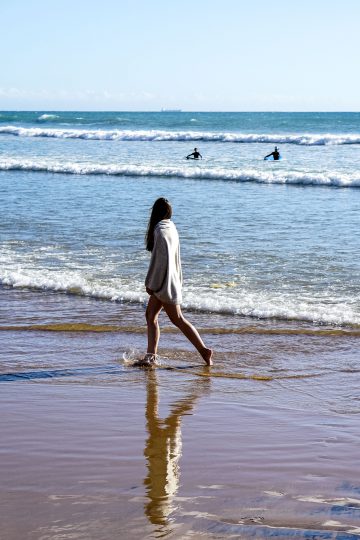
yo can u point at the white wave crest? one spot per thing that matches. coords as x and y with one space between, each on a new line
247 304
306 139
273 176
66 282
45 117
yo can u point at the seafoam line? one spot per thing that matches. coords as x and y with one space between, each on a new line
198 172
303 139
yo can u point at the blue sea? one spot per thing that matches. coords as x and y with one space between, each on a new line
261 239
263 444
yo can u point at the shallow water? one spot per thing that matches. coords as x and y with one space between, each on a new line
265 443
191 464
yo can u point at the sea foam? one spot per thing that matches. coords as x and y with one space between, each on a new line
305 139
257 305
273 176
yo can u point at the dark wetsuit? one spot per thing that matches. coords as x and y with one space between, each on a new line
195 155
275 154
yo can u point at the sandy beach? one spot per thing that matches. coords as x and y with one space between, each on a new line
263 444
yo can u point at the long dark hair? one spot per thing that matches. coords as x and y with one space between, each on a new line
160 210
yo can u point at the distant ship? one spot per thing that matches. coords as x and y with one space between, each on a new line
171 110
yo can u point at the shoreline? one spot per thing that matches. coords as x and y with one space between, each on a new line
220 322
263 443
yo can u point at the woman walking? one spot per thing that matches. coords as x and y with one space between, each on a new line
164 280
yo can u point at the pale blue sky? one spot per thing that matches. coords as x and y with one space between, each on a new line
227 55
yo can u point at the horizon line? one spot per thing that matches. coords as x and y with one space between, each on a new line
180 111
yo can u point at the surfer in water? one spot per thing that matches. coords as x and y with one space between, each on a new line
275 154
194 155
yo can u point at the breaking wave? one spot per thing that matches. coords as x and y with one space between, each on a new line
273 176
254 305
305 139
47 117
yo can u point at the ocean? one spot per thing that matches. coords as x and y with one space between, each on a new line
269 240
270 253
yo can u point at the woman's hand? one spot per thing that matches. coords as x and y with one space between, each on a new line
149 291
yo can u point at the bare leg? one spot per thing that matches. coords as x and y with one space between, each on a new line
152 313
175 315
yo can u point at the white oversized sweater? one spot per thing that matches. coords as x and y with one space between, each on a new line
164 276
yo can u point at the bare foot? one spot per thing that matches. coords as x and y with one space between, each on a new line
149 360
207 356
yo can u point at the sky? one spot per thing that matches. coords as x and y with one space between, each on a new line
208 55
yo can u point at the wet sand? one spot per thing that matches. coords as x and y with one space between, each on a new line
265 443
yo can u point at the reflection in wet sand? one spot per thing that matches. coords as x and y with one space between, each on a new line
163 449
